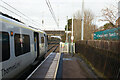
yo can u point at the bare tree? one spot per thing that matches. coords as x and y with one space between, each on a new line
110 14
88 26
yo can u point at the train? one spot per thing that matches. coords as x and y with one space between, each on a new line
21 46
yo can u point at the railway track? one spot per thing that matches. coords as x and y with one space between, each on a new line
51 47
55 49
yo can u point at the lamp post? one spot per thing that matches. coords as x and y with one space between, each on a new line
72 38
67 31
82 29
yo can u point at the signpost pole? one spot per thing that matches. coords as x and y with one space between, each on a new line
82 30
72 38
67 31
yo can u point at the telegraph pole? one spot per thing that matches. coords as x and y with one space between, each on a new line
72 31
82 29
67 31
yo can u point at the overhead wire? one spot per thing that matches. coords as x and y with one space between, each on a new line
51 11
17 11
9 10
48 4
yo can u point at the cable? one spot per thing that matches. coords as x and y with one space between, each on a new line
9 10
51 11
48 4
18 12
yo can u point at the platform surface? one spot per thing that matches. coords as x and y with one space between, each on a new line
48 68
74 67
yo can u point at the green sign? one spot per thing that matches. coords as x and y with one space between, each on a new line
109 34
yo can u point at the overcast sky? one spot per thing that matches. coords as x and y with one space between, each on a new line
38 10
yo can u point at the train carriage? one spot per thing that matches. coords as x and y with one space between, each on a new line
20 46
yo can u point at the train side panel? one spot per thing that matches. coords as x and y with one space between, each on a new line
19 58
21 46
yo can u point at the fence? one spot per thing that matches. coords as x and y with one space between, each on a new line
103 44
103 60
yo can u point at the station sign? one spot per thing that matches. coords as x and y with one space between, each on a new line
109 34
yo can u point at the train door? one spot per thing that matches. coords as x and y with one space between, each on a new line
42 44
36 43
46 44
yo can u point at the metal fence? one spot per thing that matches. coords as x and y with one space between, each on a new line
103 61
103 44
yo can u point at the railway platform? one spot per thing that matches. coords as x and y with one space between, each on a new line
62 66
47 69
74 67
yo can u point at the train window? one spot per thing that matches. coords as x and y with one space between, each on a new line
22 44
4 46
42 39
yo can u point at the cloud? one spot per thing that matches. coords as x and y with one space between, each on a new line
38 10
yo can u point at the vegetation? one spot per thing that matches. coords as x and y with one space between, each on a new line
110 15
63 38
108 26
69 23
89 27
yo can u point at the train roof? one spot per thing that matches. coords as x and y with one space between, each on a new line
10 17
22 23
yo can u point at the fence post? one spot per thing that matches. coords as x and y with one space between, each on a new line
118 76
